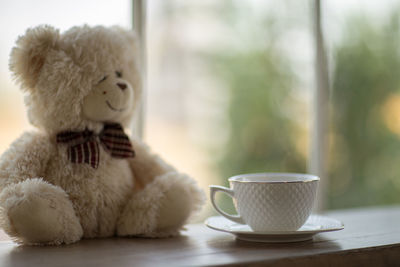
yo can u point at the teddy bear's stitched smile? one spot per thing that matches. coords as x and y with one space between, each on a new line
114 109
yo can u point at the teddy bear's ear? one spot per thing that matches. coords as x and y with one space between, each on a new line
29 54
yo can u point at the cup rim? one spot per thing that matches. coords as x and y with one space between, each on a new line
306 178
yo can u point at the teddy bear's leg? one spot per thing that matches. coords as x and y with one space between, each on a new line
162 208
35 212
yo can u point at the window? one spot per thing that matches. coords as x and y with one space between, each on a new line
365 145
229 86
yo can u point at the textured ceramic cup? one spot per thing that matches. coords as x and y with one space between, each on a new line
270 201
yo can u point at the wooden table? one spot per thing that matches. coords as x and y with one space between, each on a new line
371 238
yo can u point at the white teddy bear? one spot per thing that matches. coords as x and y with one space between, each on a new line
79 175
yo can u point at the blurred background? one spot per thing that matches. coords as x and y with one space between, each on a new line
230 87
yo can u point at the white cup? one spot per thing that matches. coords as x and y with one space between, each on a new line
270 201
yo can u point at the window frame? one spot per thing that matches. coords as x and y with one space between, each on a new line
139 9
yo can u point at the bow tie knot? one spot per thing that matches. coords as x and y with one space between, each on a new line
83 147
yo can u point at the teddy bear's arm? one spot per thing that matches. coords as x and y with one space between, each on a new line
26 158
33 211
146 165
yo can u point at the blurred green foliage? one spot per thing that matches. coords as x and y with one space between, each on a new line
364 140
260 130
261 133
364 166
260 81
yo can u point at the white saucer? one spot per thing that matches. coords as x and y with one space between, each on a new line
314 225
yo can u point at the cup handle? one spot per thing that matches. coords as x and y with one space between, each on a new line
214 189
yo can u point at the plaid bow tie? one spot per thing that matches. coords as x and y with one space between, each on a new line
84 147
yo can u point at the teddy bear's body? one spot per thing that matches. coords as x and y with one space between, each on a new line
97 195
48 198
97 199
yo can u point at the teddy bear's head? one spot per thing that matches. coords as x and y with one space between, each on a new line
79 79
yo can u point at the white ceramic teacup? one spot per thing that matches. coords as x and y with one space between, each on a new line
270 201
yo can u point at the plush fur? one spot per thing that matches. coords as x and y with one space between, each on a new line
46 199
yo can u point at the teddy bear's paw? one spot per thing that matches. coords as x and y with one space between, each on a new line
139 216
35 212
162 208
181 201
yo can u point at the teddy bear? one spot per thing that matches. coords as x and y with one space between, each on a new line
78 174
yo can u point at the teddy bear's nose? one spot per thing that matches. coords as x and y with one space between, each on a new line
122 86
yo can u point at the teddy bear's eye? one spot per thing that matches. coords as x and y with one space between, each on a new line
104 78
119 74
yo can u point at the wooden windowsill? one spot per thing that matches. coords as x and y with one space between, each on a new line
371 237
